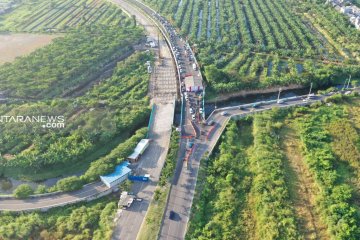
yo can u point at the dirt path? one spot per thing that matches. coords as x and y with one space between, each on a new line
301 187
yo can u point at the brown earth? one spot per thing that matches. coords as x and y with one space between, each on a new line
19 44
301 187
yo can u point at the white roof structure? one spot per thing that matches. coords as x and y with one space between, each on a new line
193 84
140 148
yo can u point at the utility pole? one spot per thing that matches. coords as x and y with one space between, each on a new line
348 82
310 90
158 40
278 98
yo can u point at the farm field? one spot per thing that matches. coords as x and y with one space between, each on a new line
58 65
284 174
15 45
61 15
262 43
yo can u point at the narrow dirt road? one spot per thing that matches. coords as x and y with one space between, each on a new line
302 188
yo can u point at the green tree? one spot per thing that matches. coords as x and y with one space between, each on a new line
23 191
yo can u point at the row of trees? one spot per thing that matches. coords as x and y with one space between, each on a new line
55 16
335 197
274 214
217 213
81 221
116 107
68 62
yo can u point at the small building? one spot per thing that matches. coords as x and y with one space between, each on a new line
126 200
120 174
193 84
139 150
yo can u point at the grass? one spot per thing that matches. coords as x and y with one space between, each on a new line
150 228
301 186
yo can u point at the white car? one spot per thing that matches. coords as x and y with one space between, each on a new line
193 117
224 113
201 110
191 111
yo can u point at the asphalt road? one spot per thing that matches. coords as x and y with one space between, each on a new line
54 200
163 92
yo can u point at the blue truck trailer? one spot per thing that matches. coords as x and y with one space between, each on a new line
144 178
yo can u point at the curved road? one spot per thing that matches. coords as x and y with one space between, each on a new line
43 203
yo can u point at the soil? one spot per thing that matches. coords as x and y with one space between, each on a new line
19 44
302 188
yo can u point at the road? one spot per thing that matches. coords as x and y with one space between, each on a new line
183 186
163 92
52 200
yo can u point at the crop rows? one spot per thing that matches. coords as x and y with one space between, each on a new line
268 24
60 15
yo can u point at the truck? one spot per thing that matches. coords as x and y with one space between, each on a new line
144 178
255 105
194 66
190 143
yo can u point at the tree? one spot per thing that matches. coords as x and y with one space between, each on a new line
69 184
23 191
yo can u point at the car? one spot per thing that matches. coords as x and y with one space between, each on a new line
305 99
224 113
193 117
280 101
241 107
201 110
191 111
139 199
172 215
210 123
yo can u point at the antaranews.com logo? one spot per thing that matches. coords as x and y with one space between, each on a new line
45 121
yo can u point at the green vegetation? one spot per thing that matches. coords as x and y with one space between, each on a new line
61 15
68 63
153 219
80 221
23 191
104 117
246 184
335 196
262 43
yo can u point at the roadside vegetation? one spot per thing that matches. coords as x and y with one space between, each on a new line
258 44
80 221
297 178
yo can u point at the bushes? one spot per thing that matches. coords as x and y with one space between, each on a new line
23 191
171 157
275 216
81 221
109 112
335 198
69 184
67 63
